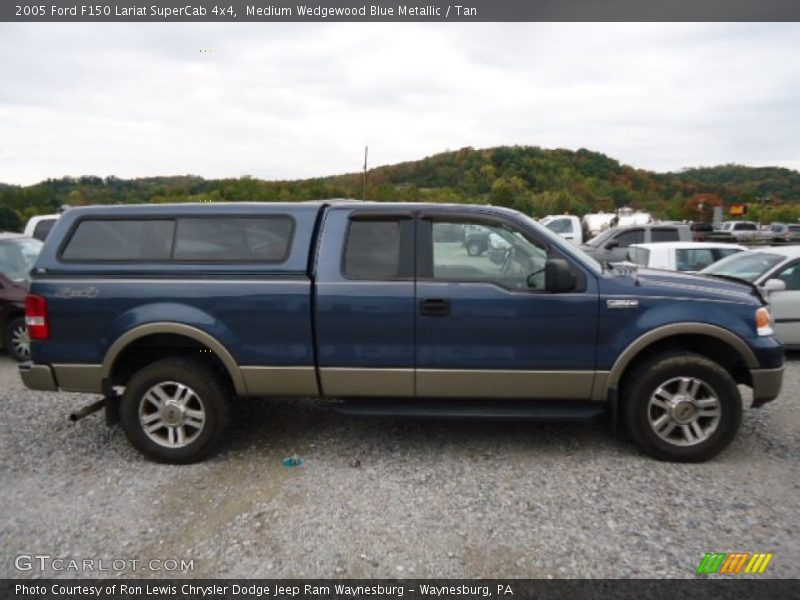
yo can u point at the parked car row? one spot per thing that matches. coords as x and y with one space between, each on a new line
17 256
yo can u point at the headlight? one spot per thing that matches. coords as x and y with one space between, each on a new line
763 322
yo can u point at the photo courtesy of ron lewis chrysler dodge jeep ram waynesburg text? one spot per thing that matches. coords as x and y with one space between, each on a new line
169 311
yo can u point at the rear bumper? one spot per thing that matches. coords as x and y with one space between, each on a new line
767 385
38 377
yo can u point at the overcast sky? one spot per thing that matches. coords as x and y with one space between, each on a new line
285 101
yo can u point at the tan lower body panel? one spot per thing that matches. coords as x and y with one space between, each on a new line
376 383
457 383
79 378
536 385
280 381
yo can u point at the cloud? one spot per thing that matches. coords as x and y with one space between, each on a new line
284 101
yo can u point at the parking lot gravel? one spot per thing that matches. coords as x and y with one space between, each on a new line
390 497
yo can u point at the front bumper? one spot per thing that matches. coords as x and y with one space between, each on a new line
767 385
38 377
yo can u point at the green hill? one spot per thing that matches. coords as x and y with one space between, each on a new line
534 180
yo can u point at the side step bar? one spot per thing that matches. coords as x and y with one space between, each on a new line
473 409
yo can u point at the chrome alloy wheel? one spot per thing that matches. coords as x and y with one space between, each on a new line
172 414
21 342
684 411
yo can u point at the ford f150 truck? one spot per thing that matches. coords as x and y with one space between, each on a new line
169 311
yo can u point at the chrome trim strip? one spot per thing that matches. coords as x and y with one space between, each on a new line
280 381
79 378
477 383
684 298
345 382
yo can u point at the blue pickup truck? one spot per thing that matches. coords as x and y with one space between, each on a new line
170 311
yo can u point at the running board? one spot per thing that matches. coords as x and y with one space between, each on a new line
473 409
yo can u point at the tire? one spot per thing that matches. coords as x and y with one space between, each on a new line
681 407
192 419
16 340
474 249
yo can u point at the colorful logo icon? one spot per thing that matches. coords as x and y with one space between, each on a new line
734 563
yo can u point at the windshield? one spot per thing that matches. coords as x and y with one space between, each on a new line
744 265
17 257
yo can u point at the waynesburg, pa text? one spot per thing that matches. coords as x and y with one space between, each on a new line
269 591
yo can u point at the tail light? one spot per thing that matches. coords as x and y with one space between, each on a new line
36 317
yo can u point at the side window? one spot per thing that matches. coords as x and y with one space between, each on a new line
379 249
791 277
560 226
723 252
120 239
42 229
507 258
234 239
693 259
626 238
664 235
640 256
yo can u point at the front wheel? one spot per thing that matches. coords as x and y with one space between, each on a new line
16 340
681 407
174 411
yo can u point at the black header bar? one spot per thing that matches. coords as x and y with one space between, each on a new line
398 10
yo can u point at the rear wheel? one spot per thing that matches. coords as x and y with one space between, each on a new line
681 407
474 249
16 340
175 410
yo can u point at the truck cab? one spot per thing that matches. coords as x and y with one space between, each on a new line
168 311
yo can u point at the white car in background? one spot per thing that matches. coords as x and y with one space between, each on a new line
687 257
567 226
39 226
777 271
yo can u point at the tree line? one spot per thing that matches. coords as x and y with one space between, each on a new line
533 180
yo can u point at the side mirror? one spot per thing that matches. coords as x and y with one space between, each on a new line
558 276
612 244
775 285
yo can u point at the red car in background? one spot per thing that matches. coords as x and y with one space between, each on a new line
17 255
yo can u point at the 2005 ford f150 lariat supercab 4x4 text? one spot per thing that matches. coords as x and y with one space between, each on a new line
169 311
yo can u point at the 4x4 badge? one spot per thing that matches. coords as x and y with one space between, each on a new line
622 303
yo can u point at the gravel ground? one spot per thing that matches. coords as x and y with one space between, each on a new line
393 498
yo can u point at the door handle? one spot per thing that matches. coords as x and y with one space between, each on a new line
434 307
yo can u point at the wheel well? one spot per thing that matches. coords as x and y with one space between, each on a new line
710 347
151 348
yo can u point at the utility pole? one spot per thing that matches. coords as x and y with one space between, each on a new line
366 151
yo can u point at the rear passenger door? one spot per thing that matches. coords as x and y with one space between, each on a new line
365 303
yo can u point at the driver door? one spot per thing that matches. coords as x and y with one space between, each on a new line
487 328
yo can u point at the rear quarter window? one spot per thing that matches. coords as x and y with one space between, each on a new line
664 235
182 239
120 240
233 239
